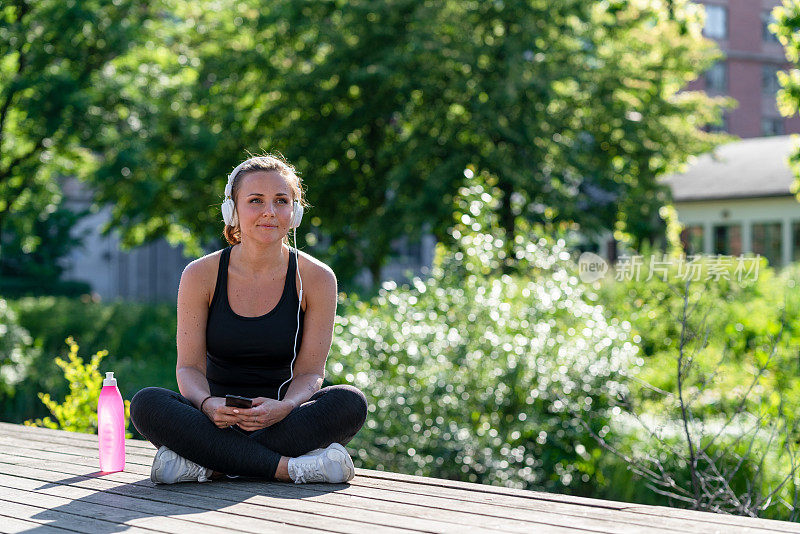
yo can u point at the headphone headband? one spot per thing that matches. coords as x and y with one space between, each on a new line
229 215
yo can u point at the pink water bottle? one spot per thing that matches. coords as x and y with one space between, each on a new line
111 426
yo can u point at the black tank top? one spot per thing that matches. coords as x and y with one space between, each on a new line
251 356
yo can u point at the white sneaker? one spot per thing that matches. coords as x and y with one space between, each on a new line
169 468
331 464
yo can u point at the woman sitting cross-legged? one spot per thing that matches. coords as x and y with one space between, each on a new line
254 320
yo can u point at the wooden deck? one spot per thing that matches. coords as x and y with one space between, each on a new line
49 482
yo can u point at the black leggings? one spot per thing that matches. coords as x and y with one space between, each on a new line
164 417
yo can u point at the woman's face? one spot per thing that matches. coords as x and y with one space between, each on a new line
264 206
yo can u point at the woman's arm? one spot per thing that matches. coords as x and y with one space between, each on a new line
191 341
309 367
192 316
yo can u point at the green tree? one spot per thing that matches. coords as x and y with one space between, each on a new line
52 56
25 270
572 106
638 57
787 28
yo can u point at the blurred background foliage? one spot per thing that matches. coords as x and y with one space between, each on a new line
381 105
736 339
787 28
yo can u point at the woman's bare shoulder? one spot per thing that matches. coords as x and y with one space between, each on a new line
204 271
314 267
205 265
318 278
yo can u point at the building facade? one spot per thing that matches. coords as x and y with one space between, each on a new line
149 273
747 73
738 201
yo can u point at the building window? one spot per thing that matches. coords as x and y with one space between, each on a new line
769 80
728 239
767 241
772 126
716 22
766 20
692 239
717 78
796 241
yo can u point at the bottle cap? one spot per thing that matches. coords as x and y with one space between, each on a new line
110 380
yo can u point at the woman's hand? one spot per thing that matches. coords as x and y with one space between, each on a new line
221 415
265 412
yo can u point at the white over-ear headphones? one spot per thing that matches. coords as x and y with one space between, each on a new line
229 214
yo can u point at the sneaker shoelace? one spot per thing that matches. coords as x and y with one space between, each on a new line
310 471
196 471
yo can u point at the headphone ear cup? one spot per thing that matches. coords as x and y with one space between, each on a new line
297 214
229 213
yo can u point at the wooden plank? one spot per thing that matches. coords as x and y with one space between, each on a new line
347 503
42 518
7 429
591 513
686 520
74 508
496 490
12 525
132 511
473 489
272 494
91 440
526 503
443 504
575 517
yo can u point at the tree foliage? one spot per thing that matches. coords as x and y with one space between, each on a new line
32 261
572 106
51 52
787 28
17 352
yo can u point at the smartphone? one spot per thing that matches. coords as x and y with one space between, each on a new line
238 402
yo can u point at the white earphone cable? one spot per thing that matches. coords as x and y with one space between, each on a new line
299 302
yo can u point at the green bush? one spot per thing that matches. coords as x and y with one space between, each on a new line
139 338
34 243
17 353
20 287
739 379
476 375
78 411
741 320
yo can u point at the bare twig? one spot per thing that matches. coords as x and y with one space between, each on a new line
712 467
684 409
